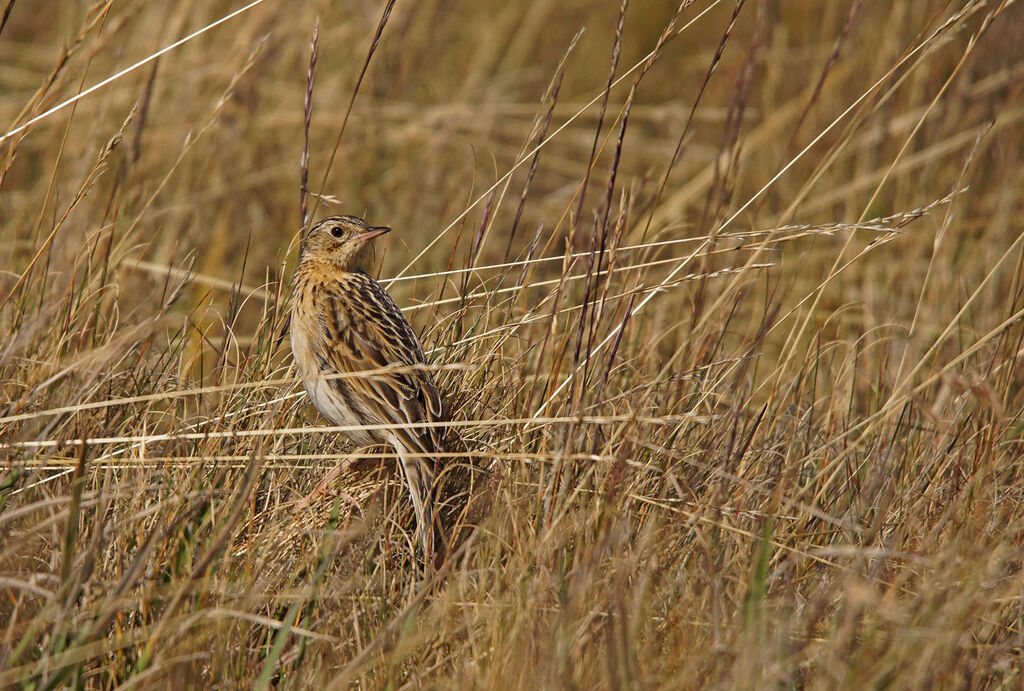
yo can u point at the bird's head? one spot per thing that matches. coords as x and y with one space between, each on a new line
342 240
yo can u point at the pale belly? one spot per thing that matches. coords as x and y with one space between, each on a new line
329 396
329 401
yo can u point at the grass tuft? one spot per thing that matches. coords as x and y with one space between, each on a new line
727 299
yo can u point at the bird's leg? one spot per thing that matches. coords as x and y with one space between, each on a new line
344 466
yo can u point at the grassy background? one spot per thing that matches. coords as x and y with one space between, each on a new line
739 339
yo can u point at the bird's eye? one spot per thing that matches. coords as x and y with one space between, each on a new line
336 231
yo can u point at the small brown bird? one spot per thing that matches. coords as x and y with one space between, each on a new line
344 323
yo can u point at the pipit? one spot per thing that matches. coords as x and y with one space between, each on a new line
359 358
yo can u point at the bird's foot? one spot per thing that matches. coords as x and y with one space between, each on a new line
323 488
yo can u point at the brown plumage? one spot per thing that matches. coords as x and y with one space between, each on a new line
344 322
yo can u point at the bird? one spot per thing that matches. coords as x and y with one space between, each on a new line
343 322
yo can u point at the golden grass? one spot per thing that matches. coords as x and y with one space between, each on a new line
728 299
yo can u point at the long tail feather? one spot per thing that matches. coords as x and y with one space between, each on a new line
419 478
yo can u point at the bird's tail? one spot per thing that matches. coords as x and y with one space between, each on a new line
419 477
446 495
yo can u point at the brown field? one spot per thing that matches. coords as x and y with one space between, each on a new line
727 299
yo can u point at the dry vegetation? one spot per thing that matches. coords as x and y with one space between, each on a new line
728 298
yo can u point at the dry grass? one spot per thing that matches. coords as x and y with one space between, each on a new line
729 297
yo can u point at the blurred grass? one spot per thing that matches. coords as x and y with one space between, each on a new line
748 382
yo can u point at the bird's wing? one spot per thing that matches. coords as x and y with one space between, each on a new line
365 330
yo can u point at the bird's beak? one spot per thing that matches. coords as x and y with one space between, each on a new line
373 232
